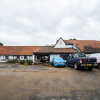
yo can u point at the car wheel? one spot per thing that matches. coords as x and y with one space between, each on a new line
90 68
55 66
76 66
52 63
67 64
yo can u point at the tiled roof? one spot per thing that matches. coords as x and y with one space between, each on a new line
29 50
51 49
17 50
86 45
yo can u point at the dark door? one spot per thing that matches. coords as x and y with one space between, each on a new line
71 60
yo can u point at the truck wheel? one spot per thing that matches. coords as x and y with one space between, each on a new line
76 67
90 68
99 66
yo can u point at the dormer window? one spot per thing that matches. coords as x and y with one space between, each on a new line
60 42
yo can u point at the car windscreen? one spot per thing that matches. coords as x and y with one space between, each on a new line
59 59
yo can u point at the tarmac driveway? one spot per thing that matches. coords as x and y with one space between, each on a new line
50 84
21 67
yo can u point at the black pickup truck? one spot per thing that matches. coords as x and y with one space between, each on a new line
81 61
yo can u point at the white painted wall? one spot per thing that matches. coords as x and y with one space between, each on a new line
69 46
33 58
97 55
2 58
10 57
61 44
28 57
21 57
53 55
15 57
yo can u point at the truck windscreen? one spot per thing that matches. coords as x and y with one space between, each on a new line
82 56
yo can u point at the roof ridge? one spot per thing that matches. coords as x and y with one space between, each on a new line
80 40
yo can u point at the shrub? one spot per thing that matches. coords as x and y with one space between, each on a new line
22 61
29 62
12 61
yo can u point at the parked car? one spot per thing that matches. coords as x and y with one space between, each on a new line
81 61
58 61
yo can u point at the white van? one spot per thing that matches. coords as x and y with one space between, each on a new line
97 55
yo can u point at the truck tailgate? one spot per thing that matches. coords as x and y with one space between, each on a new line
89 60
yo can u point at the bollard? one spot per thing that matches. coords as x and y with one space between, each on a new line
25 64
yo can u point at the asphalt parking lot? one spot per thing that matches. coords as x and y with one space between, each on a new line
18 82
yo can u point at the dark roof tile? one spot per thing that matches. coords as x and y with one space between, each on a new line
91 46
51 49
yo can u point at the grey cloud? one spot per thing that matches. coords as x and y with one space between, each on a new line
36 22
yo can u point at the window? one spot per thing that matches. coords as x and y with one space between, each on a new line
25 57
76 56
17 57
6 57
2 57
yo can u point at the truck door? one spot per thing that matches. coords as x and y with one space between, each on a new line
75 56
71 60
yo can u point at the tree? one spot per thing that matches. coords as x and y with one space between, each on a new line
1 44
73 39
49 45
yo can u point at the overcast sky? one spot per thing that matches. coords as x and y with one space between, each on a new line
41 22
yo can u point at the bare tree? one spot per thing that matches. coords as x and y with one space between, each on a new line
49 45
73 39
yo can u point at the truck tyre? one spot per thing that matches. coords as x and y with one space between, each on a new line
90 68
99 66
76 66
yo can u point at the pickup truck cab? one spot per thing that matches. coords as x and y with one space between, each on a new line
81 61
